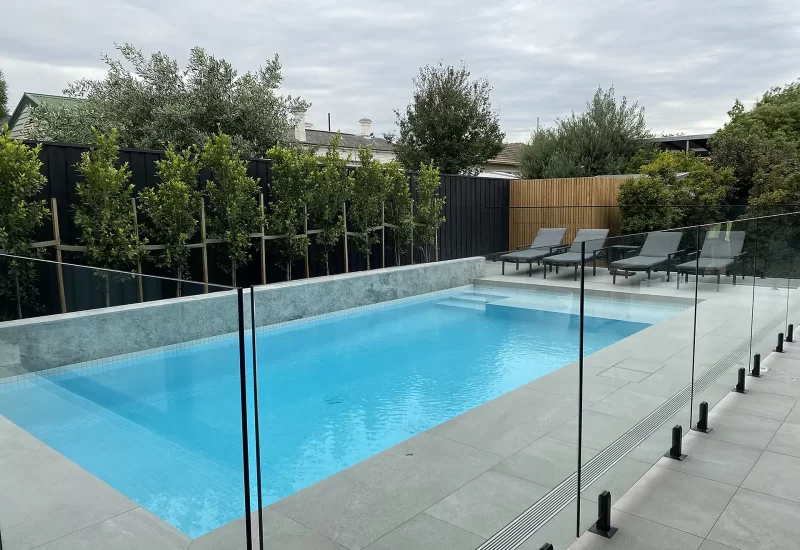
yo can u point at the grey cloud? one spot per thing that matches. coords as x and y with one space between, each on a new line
684 61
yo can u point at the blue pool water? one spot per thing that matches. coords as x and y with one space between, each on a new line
165 428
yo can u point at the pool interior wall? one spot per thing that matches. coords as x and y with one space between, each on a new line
165 428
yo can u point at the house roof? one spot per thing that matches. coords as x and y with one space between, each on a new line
509 154
35 100
321 138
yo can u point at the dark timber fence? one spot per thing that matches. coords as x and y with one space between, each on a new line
476 223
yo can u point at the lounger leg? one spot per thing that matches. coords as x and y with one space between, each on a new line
668 275
678 278
614 278
575 275
594 268
530 268
544 271
517 266
648 273
504 268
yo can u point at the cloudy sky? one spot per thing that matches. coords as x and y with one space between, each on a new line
684 61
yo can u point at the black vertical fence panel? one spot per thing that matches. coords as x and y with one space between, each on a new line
476 223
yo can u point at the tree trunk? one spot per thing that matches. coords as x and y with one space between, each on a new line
369 250
179 282
233 271
19 297
108 290
288 270
327 264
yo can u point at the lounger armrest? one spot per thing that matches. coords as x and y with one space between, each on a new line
522 247
677 254
560 247
690 255
740 254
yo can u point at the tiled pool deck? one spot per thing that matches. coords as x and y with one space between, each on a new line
455 485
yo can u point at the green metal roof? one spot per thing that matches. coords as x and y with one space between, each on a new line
35 100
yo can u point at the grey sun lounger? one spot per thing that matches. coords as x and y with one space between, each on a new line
658 252
546 243
595 239
720 254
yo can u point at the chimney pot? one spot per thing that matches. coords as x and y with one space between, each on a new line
300 125
366 124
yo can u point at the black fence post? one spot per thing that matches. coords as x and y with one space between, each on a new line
603 525
756 372
677 441
779 347
740 382
702 419
790 334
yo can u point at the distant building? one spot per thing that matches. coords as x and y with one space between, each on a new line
504 165
18 122
697 143
320 139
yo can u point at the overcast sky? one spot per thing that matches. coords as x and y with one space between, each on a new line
684 61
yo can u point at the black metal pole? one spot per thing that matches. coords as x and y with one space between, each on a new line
580 391
779 347
245 445
676 451
740 382
694 325
255 423
789 337
753 301
756 366
702 419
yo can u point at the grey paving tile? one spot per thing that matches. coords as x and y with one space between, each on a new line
546 462
660 385
512 421
654 446
363 503
14 439
636 533
628 404
639 365
486 504
279 532
560 531
595 387
753 521
599 430
64 521
617 480
794 416
423 532
689 503
119 533
713 459
776 383
777 475
759 403
786 440
711 545
627 375
743 429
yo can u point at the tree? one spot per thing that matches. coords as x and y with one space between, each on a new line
369 193
429 208
676 189
3 97
173 208
153 102
233 199
398 210
294 173
333 188
756 142
104 211
20 215
449 123
601 140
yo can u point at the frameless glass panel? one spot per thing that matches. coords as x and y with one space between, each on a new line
129 415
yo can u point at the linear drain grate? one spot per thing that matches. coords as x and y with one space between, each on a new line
535 517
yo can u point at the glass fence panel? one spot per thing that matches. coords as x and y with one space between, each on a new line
121 424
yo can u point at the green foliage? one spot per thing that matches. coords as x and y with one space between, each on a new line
398 209
369 194
333 188
153 102
3 97
233 198
429 207
174 208
20 216
676 189
643 155
757 142
449 123
104 212
600 141
294 173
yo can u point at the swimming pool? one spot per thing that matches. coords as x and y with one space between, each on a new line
165 428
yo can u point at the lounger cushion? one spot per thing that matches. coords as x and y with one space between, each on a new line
711 264
639 262
525 255
567 258
660 244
